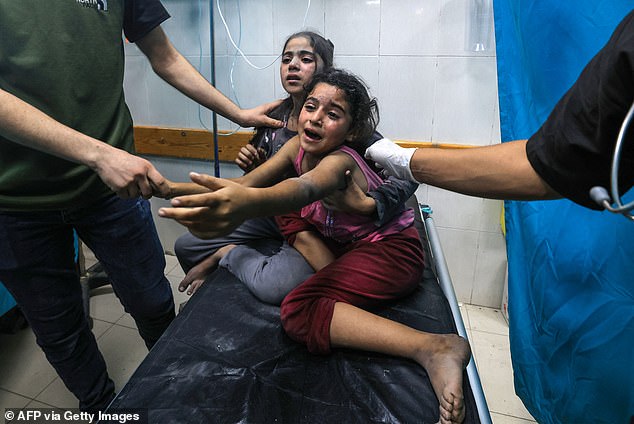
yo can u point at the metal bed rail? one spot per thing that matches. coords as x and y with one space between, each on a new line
446 285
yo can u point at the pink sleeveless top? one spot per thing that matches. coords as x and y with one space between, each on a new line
345 227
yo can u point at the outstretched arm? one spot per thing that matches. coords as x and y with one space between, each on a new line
170 65
267 174
500 171
229 203
125 174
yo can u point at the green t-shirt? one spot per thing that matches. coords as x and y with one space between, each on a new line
66 58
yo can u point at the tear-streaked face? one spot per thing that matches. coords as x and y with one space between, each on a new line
324 121
299 64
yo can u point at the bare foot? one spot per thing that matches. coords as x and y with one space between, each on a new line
197 275
445 362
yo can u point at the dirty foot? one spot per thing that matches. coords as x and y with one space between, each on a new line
197 275
445 362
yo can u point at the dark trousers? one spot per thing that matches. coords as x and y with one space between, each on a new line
37 265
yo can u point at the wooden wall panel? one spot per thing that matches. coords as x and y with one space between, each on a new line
198 144
188 143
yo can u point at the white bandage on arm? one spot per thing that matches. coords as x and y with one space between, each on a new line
394 159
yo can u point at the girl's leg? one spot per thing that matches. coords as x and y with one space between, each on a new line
311 246
325 311
191 250
444 356
269 275
197 275
199 257
367 275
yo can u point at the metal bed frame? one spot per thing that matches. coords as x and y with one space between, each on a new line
446 285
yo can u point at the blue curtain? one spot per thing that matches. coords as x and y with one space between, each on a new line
6 300
571 270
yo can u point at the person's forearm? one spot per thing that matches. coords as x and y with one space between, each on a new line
172 67
127 175
184 77
26 125
500 171
287 196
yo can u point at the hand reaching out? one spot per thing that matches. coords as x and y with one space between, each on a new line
212 214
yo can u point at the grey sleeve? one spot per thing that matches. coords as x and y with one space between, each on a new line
390 198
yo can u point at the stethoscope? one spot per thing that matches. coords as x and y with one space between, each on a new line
600 194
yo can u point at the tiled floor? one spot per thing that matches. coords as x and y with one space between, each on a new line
27 380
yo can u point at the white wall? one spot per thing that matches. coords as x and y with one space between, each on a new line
415 56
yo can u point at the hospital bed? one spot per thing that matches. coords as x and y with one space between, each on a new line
226 359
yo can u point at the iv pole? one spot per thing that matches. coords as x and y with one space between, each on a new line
212 55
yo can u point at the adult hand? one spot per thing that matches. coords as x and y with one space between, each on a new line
250 157
128 175
258 116
352 199
213 214
394 159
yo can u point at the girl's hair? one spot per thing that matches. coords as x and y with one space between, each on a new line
321 47
325 50
364 109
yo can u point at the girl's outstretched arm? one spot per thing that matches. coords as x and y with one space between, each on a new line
229 203
267 174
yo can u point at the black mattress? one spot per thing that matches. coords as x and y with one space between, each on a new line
226 359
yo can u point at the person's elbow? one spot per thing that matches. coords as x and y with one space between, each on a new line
531 186
160 52
543 191
310 192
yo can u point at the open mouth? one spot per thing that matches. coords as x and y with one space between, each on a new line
311 135
293 78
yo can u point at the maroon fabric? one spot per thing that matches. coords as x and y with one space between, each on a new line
364 274
292 223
